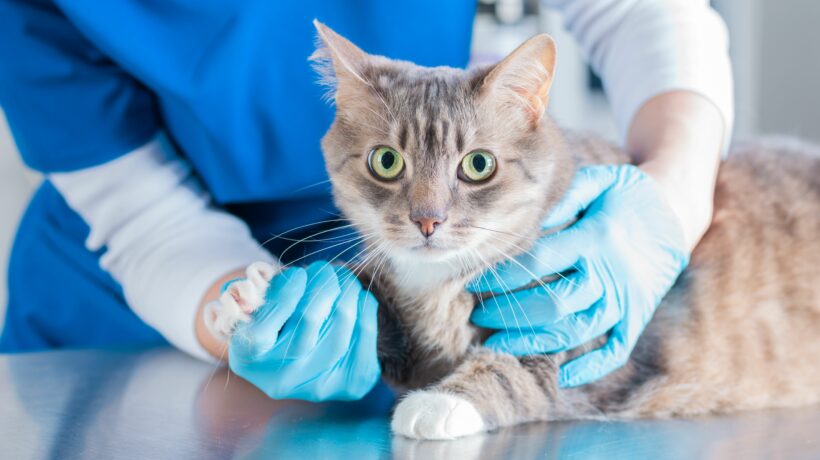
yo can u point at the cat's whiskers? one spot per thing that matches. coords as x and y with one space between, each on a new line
376 272
525 237
358 240
379 129
217 366
353 242
381 99
548 289
507 295
481 299
503 320
534 277
370 255
312 224
301 316
305 239
316 240
506 327
527 252
315 184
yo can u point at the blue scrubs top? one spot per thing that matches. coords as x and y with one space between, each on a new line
85 81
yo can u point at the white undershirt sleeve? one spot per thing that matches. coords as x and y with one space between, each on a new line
164 241
642 48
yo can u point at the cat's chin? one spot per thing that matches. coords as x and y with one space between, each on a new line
420 273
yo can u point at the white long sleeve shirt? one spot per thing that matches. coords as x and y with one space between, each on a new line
642 48
166 245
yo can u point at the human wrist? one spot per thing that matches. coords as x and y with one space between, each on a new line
676 139
230 300
212 344
689 196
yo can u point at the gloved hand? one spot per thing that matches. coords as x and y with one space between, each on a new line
619 259
314 338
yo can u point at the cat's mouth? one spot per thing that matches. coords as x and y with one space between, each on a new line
429 246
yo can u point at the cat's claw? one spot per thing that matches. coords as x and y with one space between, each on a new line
239 300
436 415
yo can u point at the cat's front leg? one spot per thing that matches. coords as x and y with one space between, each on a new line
423 340
487 391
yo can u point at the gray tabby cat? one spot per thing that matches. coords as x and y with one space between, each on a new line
739 330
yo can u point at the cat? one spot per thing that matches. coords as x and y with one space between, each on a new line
740 329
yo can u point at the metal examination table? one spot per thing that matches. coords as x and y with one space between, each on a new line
158 403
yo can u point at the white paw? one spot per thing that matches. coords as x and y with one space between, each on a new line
241 299
431 415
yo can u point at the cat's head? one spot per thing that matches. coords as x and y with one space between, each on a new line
442 165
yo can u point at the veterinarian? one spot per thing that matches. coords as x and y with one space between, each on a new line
176 136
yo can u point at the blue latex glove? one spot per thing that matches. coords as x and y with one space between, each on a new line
314 338
620 258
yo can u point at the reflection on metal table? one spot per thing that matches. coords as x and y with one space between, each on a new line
159 403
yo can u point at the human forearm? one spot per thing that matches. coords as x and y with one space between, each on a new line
163 240
676 138
666 70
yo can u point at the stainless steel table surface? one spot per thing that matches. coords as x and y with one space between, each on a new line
159 403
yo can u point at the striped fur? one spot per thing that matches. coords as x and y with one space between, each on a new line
739 330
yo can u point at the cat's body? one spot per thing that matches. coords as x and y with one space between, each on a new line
740 329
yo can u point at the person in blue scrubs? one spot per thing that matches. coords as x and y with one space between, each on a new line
228 84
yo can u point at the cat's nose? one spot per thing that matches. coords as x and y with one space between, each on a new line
427 223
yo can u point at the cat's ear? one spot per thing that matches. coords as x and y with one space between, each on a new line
339 64
522 80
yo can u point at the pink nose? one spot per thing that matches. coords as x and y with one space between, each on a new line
427 224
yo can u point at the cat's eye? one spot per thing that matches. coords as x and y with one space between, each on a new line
477 166
385 163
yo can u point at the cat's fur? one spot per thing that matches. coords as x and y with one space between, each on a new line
740 329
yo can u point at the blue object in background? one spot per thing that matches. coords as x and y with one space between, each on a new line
84 82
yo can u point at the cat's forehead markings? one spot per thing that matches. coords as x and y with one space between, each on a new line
384 81
459 139
431 92
431 141
403 136
523 168
432 116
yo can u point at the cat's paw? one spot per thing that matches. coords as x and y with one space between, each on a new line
435 415
239 300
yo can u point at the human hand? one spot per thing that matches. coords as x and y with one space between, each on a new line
313 338
619 259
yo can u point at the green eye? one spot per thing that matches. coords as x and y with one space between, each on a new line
385 163
477 166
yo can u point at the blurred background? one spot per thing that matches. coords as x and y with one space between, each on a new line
776 68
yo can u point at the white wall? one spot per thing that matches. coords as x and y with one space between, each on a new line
789 86
775 55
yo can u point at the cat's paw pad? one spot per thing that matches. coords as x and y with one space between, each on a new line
239 300
433 415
